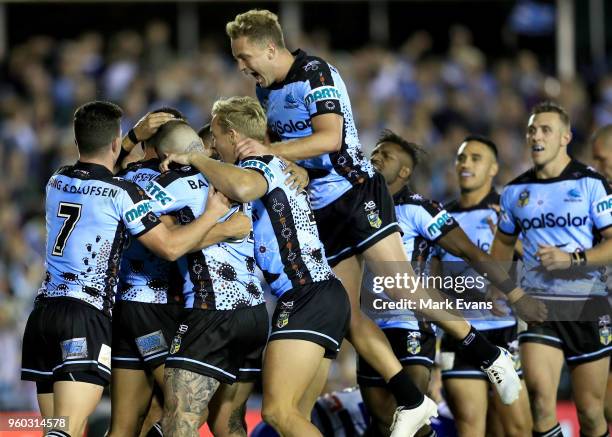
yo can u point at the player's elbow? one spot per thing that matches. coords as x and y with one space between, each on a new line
244 192
169 251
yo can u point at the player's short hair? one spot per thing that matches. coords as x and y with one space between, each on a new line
604 132
484 140
258 25
550 106
96 125
205 133
243 114
164 140
169 110
412 149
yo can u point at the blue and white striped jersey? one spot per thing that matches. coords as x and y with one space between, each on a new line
567 212
474 222
87 213
287 245
314 87
143 276
221 276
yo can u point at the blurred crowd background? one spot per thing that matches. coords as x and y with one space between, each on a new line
433 85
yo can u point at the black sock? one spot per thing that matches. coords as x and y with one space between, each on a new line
477 349
57 433
406 393
156 430
555 431
606 434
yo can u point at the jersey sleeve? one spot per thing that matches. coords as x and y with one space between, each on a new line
433 221
321 95
507 223
270 167
601 204
136 211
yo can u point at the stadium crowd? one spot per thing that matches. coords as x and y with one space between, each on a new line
433 100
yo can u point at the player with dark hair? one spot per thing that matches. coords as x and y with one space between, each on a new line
67 340
309 111
562 210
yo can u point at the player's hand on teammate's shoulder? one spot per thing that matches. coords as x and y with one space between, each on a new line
238 226
297 177
250 147
217 204
178 158
553 258
526 307
146 127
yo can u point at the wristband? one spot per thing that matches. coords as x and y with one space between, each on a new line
132 136
507 286
122 154
579 258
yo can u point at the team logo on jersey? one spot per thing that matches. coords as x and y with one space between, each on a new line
416 196
373 216
605 333
312 66
283 315
413 342
151 343
290 102
74 348
573 195
523 199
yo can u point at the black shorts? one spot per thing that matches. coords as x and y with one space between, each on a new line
411 347
580 341
142 333
319 312
216 343
64 336
357 220
455 365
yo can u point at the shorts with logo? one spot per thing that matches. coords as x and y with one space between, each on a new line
455 365
357 220
219 343
319 312
65 335
581 341
411 347
142 333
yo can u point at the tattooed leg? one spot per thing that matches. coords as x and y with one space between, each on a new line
186 396
228 408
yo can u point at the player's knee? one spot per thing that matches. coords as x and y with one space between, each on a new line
543 404
519 427
276 415
590 413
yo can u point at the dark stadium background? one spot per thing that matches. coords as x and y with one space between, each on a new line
36 98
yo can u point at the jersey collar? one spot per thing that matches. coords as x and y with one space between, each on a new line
299 57
95 170
402 194
490 199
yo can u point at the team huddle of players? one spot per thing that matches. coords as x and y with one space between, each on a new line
152 267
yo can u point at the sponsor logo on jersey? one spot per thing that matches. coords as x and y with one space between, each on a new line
157 192
604 206
372 214
73 349
435 225
290 102
523 199
259 165
551 220
413 342
312 66
138 211
151 343
290 126
322 93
